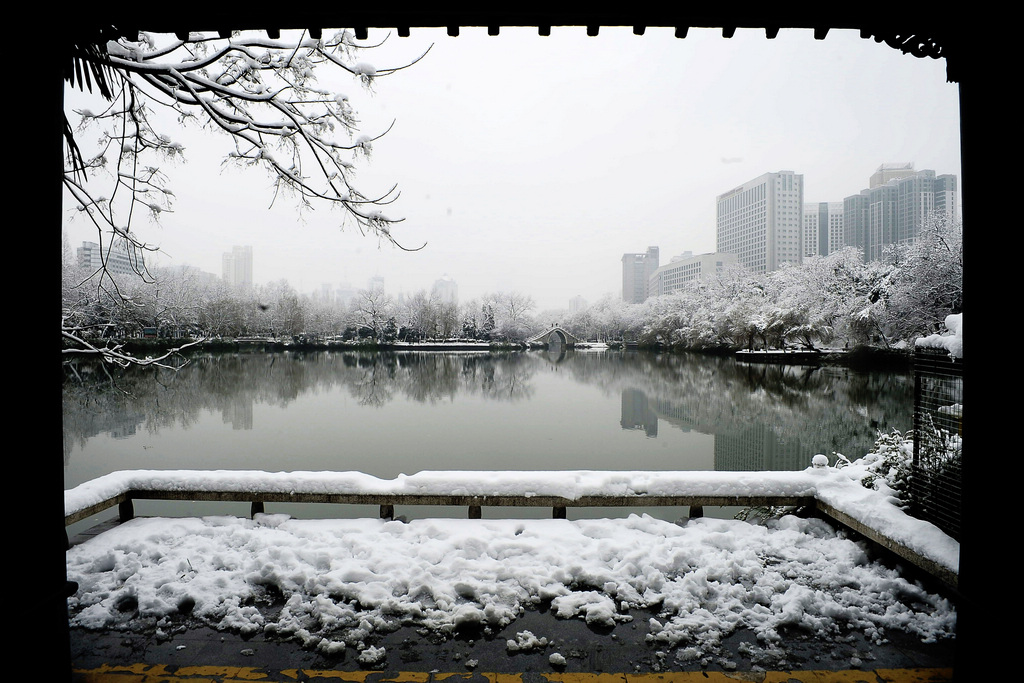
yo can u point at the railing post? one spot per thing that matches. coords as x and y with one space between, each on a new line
474 512
256 508
125 511
696 511
387 511
558 512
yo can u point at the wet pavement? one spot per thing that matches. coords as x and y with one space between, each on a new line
542 645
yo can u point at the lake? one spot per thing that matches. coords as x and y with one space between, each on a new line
386 413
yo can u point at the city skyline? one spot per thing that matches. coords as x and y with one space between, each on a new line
532 163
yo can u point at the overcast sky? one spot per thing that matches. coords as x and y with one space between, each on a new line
533 163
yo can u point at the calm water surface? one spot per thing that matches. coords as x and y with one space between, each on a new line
391 413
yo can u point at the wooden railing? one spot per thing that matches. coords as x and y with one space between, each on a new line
387 502
194 487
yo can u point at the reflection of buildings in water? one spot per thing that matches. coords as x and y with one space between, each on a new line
759 448
123 431
637 414
239 414
755 448
676 414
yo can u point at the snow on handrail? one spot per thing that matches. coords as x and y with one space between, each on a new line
837 493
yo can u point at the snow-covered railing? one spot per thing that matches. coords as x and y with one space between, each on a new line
830 490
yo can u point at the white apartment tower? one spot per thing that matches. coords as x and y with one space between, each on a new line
446 290
236 267
636 272
687 268
823 228
761 221
117 257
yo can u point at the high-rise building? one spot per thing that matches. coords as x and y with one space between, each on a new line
893 212
636 272
577 304
887 172
446 290
236 267
761 221
118 257
823 228
687 268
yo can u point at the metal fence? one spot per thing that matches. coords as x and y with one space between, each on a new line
935 486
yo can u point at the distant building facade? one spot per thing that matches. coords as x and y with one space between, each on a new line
636 273
894 211
446 290
687 268
761 221
118 257
887 172
823 228
191 273
236 267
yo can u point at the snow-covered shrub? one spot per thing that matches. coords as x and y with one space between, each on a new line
887 468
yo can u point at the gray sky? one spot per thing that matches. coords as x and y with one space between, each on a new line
533 163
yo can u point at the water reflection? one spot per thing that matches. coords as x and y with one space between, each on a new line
387 413
637 413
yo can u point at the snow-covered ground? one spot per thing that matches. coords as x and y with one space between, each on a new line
346 581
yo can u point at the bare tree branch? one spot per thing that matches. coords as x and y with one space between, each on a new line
263 94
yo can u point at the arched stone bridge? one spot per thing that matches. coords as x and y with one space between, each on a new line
556 335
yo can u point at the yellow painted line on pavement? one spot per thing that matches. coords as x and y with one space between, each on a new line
345 676
159 673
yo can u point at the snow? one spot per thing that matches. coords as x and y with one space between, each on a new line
952 342
525 640
344 582
840 488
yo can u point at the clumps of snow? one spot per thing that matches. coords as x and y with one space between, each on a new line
953 342
525 641
372 656
344 582
597 609
556 659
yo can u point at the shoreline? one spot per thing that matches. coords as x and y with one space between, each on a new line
858 356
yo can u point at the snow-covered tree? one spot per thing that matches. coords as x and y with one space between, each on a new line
929 283
511 314
372 309
263 93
